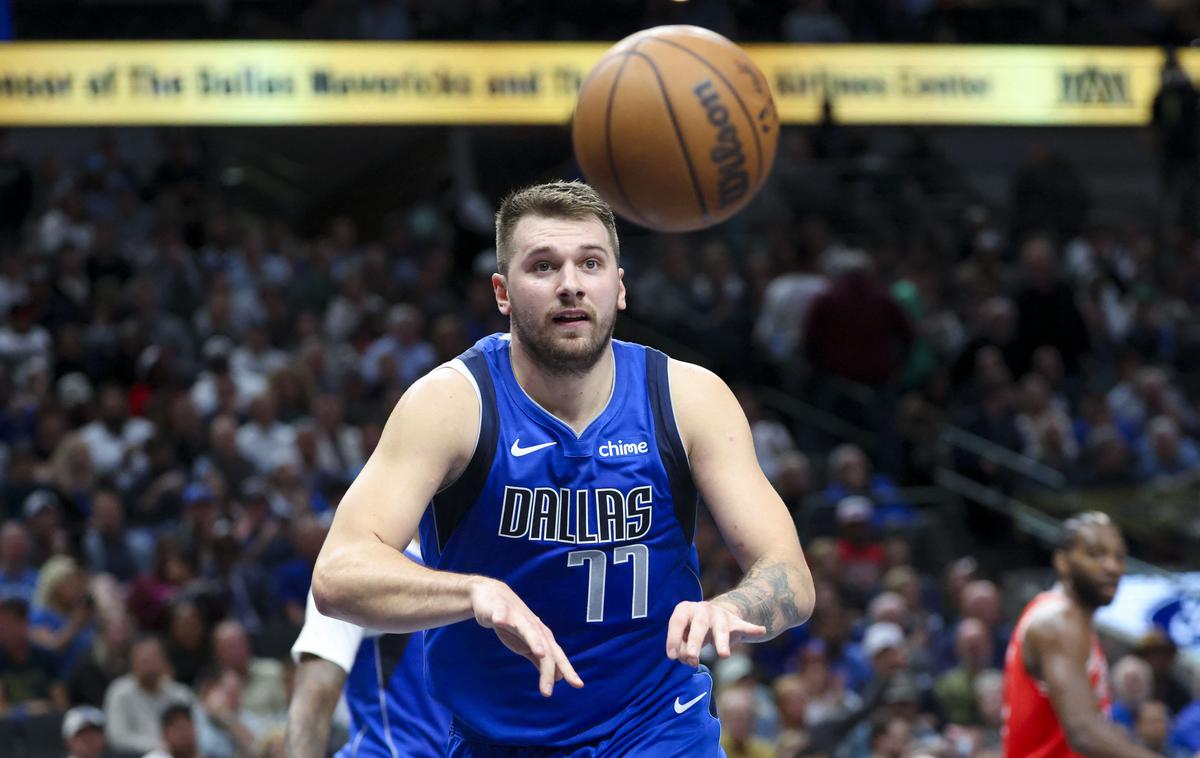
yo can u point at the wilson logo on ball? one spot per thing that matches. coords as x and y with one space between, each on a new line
675 127
727 155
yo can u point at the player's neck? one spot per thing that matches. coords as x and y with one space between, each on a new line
574 399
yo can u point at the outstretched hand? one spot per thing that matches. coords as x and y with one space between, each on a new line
498 608
692 625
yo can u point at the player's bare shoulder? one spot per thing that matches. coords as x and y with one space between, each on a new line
1055 628
439 415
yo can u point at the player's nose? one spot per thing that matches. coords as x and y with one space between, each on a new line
570 284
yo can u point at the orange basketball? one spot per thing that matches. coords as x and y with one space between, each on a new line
676 128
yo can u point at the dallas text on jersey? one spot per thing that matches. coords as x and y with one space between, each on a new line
581 517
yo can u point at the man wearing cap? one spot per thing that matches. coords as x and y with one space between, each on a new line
858 550
83 732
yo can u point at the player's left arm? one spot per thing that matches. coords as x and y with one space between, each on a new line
776 591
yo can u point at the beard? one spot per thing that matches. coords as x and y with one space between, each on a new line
558 356
1090 593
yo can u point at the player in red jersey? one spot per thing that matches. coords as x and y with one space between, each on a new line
1056 700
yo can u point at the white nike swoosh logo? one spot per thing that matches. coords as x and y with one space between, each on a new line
518 451
681 707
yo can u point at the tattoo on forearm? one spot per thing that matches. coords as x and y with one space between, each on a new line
765 596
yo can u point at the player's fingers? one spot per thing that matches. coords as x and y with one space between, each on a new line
720 634
739 629
696 636
547 668
566 670
676 628
563 664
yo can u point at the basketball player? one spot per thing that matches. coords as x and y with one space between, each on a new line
1056 700
555 474
391 712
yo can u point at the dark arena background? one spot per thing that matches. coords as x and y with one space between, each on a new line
965 305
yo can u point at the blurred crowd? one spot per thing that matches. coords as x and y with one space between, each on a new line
188 387
1107 22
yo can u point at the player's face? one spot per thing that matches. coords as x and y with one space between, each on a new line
1094 564
562 291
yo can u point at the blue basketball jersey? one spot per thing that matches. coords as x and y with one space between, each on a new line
594 533
391 713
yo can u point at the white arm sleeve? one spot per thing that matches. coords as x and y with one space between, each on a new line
334 640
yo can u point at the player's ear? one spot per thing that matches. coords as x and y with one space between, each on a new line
621 291
500 288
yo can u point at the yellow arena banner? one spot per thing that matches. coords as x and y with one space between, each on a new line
312 83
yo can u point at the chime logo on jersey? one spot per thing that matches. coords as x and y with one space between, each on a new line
612 449
576 518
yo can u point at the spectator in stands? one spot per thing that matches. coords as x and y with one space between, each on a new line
239 590
43 515
1045 428
1185 732
224 454
263 438
409 354
261 680
178 733
1152 727
30 677
783 318
1046 310
339 445
736 706
791 701
1175 118
1158 650
134 700
152 592
859 550
851 473
979 599
109 547
294 577
855 303
1132 684
62 619
187 641
18 577
83 732
113 437
1164 454
224 727
107 659
955 689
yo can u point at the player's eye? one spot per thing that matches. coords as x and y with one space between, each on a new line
542 266
591 263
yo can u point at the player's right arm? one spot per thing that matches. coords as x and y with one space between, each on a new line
1060 643
361 574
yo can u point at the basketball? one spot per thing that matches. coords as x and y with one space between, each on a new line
676 128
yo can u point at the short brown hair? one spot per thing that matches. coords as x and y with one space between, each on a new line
571 200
